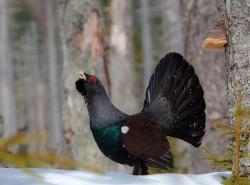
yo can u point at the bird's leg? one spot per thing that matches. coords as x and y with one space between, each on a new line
136 168
140 169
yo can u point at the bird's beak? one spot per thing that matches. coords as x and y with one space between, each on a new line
82 76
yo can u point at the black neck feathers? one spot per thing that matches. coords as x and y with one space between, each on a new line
102 112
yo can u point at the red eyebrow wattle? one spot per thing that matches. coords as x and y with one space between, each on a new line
92 78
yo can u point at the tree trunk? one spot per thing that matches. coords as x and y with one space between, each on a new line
200 17
30 63
238 60
26 56
38 114
172 26
7 101
148 61
122 60
83 50
56 139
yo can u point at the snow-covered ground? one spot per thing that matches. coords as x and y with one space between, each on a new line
12 176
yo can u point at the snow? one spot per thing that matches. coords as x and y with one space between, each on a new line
13 176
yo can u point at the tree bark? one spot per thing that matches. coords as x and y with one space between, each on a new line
26 56
237 53
38 114
172 26
30 63
148 61
56 138
7 102
122 60
83 50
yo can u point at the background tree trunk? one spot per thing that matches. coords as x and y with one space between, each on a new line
30 63
172 26
26 87
148 61
199 17
122 59
238 60
83 50
37 105
57 142
7 101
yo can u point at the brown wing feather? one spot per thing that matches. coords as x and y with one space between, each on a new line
145 140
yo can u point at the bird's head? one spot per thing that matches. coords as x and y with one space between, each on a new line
88 85
101 111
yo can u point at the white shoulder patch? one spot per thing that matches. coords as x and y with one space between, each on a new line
124 129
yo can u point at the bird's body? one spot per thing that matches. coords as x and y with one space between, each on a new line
108 140
174 106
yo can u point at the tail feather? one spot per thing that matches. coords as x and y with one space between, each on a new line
164 162
175 79
190 112
189 102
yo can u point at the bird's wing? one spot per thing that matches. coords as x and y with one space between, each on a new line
145 140
174 99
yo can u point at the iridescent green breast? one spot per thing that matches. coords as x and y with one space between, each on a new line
108 139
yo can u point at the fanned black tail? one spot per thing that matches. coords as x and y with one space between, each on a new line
174 80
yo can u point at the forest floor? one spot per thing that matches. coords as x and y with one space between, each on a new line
13 176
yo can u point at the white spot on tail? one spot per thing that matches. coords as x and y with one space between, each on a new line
125 129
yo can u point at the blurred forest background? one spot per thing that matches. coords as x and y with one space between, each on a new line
44 44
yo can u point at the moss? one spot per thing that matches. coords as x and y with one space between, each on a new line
22 17
104 3
36 159
1 119
1 126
